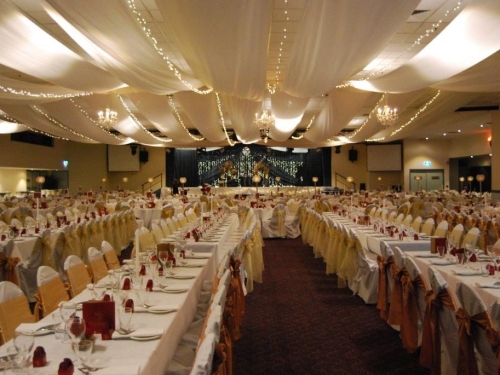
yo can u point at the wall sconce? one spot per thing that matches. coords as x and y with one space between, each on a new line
125 179
480 178
461 179
470 179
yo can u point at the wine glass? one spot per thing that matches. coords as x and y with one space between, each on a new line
67 310
163 258
75 328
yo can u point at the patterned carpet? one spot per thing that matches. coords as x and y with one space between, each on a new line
299 322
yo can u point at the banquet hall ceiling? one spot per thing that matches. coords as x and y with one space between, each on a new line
194 73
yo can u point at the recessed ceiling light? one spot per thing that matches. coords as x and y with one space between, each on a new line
490 154
426 138
481 125
459 130
471 156
444 134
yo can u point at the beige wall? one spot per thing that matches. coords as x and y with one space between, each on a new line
472 145
87 165
417 151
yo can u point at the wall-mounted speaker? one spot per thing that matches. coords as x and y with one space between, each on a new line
353 155
143 156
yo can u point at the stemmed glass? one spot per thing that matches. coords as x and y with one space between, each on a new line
163 259
152 264
67 310
75 329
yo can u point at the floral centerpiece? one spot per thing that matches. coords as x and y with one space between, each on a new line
261 168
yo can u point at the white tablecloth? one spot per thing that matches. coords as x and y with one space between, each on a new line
128 357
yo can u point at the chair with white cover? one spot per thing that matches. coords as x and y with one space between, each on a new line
365 282
407 221
456 235
428 227
110 257
182 220
439 351
475 325
171 225
97 264
275 226
165 228
416 224
292 222
146 240
157 232
14 310
471 238
442 229
399 219
51 291
415 289
77 275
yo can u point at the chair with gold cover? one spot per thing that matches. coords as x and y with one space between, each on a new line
428 227
51 291
77 275
110 256
442 229
14 310
97 264
157 232
456 235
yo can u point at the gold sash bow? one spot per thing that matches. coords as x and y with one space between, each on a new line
466 357
396 311
9 268
410 311
383 286
430 354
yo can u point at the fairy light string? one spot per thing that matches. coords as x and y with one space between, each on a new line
219 108
59 124
171 66
181 121
138 123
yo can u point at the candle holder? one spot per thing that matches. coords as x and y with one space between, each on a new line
183 180
461 179
470 179
480 178
315 180
40 180
278 180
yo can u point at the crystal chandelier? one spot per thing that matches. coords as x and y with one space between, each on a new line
265 120
387 116
107 118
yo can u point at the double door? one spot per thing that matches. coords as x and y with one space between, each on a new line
425 179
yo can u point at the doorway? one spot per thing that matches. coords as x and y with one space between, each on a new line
426 179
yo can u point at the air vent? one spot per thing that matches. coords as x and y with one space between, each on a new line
478 108
415 12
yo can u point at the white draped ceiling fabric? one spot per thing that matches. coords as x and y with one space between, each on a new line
62 61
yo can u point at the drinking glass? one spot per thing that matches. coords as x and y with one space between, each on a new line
163 259
83 351
67 310
441 251
20 352
75 328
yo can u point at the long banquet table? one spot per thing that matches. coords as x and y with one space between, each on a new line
451 274
127 356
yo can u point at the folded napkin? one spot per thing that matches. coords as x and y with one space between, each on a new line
193 263
146 332
488 285
164 307
119 370
426 255
23 327
466 272
442 262
198 256
172 288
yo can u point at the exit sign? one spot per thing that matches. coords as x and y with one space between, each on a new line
427 163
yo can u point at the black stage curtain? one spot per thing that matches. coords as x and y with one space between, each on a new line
186 166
